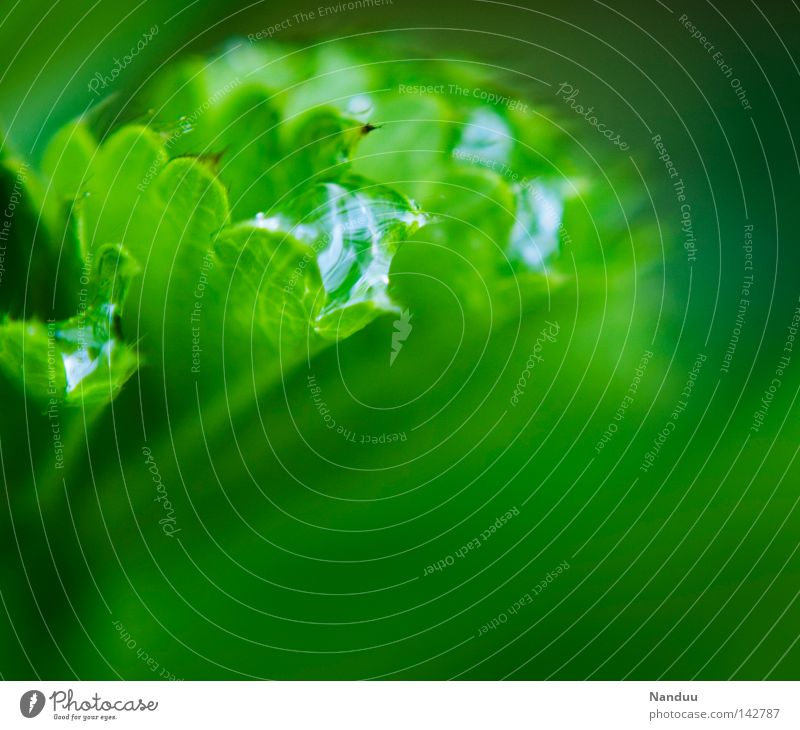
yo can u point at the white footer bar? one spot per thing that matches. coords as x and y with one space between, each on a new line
401 705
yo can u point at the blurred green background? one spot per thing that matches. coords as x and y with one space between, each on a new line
303 555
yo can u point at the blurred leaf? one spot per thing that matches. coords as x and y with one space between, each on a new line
82 359
321 144
354 228
178 219
248 138
120 172
67 159
270 279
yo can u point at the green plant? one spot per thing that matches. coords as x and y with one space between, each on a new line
265 216
286 200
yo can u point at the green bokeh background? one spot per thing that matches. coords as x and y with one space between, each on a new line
688 570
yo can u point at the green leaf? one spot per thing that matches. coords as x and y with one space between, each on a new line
118 176
28 242
249 138
185 209
355 229
321 265
252 138
271 279
174 100
412 145
67 159
82 359
178 219
322 143
474 209
332 76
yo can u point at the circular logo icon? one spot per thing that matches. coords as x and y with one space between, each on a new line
31 703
